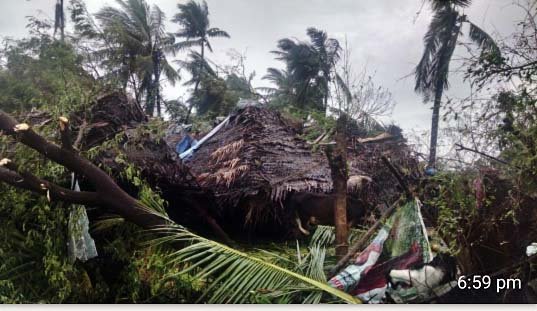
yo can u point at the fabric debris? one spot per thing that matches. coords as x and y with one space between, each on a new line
186 143
81 245
400 243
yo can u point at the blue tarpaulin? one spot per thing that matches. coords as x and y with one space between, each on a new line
186 143
188 153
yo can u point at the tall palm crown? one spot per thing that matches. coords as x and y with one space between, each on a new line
193 18
432 72
327 50
141 43
310 67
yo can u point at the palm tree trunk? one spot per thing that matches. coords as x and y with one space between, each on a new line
156 84
196 86
434 125
62 25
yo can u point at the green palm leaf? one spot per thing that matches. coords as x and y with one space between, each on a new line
217 32
440 40
237 276
483 40
438 4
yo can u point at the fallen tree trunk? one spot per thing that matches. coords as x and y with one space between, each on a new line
155 162
107 193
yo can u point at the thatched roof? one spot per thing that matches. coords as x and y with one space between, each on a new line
257 153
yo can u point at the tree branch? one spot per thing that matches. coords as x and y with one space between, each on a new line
80 135
108 193
32 183
461 147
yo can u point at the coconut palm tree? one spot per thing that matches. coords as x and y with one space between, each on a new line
283 91
302 67
310 66
440 41
327 50
195 29
140 44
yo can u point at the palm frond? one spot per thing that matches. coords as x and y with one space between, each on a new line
439 4
217 32
325 236
440 41
106 223
193 18
170 73
196 65
82 21
188 44
483 40
275 75
208 44
236 277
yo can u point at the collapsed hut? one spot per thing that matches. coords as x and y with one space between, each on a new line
257 160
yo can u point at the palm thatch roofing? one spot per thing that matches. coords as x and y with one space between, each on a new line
258 158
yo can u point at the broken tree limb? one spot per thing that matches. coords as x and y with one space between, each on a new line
360 244
80 135
65 133
109 194
376 139
461 147
32 183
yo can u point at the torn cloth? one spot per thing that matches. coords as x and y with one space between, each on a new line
81 245
399 244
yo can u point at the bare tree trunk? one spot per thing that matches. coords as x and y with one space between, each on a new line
434 126
337 160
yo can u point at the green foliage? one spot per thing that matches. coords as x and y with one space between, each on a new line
309 70
176 109
239 86
193 18
213 98
40 72
456 207
35 266
137 47
236 276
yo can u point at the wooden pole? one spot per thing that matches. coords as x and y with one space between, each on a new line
360 244
337 160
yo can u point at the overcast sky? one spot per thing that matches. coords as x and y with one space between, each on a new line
385 35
